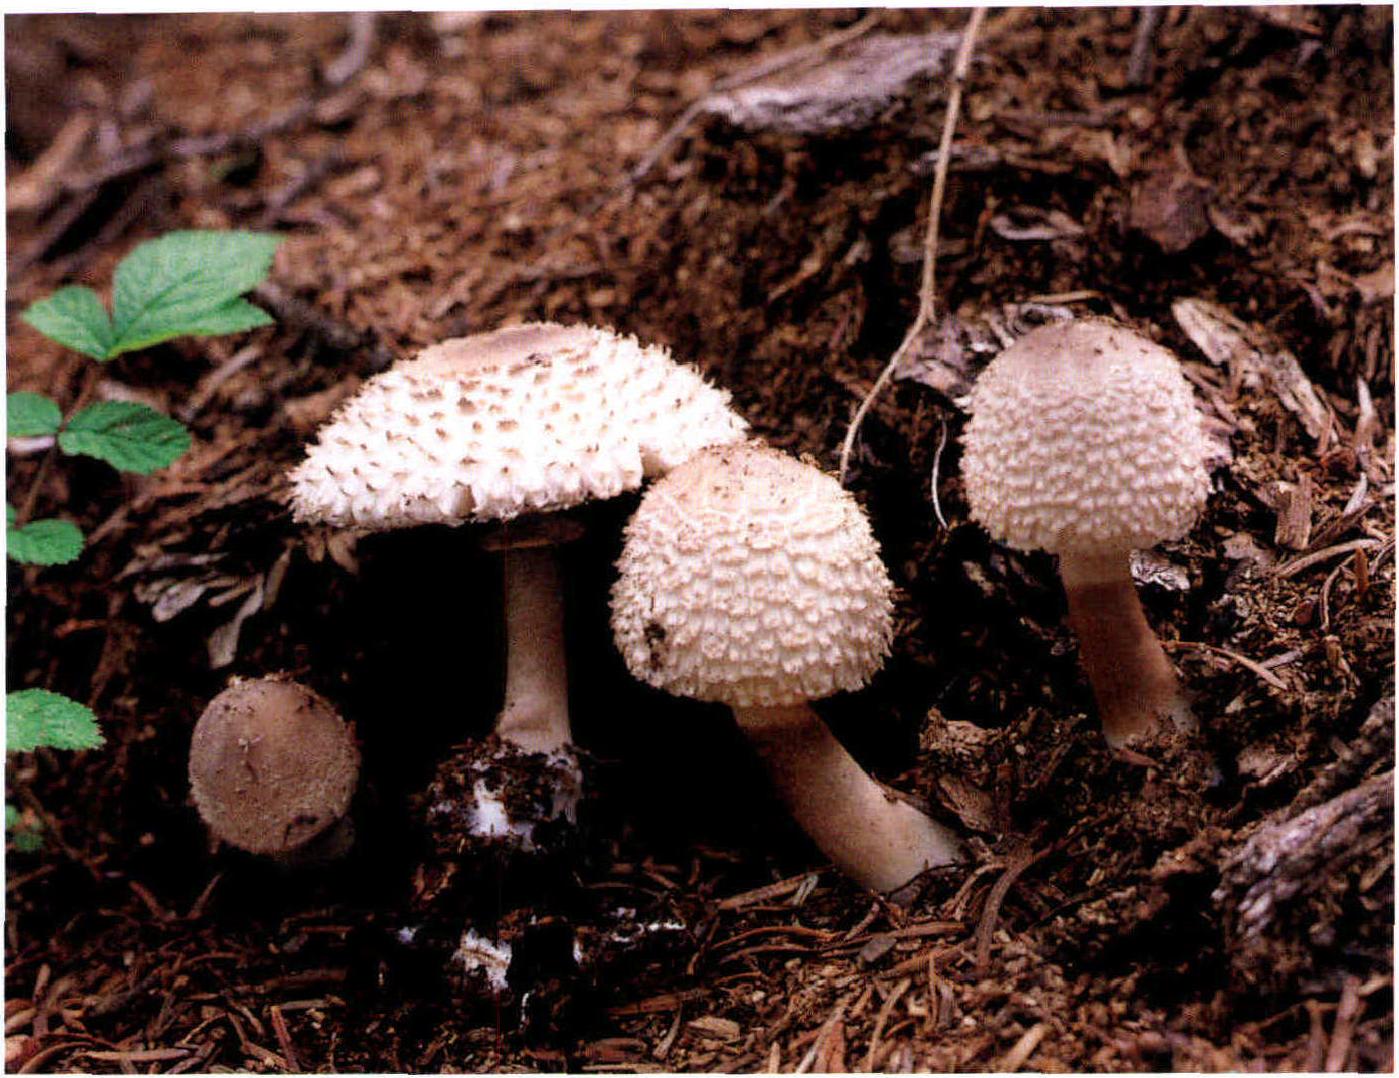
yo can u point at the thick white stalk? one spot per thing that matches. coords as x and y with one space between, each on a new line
880 842
1133 681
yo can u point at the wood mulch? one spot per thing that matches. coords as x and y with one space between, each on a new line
1231 194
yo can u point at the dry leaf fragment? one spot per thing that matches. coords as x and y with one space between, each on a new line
1030 223
1294 526
1152 568
1253 357
725 1029
948 355
223 641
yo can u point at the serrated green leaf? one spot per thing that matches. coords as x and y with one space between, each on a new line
233 317
37 718
44 542
74 317
128 436
31 414
168 287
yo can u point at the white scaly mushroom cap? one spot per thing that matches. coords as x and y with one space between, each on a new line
751 579
1084 437
526 419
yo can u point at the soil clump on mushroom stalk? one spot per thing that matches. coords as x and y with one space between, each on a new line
1124 911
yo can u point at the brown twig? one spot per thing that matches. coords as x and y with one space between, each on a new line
924 317
986 930
1242 660
1139 62
881 1020
278 202
780 889
329 332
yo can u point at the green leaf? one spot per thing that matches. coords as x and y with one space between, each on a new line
30 414
37 718
171 287
10 513
44 542
128 436
232 317
26 834
74 317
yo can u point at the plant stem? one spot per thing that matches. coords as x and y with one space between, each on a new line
89 386
927 292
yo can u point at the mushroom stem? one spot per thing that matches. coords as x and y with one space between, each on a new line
535 715
1133 681
878 841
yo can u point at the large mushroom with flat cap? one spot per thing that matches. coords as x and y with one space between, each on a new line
511 428
1085 441
752 579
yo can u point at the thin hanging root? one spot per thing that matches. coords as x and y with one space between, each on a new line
930 243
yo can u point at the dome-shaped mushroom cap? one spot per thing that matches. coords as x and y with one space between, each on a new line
271 765
751 579
1084 436
525 419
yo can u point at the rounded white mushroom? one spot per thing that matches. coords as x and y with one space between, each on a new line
272 766
1084 441
752 579
523 421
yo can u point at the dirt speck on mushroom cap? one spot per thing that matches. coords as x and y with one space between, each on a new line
751 579
1084 436
528 418
271 765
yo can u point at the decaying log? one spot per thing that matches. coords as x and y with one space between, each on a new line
1298 885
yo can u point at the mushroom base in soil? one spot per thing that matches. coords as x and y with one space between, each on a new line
1133 681
535 967
520 787
491 797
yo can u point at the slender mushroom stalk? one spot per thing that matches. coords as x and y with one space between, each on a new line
1133 682
752 579
825 790
535 715
1085 441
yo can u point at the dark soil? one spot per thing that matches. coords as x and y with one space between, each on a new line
1225 904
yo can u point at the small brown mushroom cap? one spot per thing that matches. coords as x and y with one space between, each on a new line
1084 437
752 579
526 419
271 765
